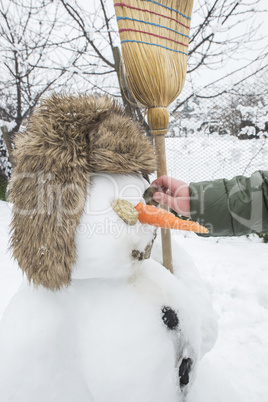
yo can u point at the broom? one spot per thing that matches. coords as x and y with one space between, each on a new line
154 37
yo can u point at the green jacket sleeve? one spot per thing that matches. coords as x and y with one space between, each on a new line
232 207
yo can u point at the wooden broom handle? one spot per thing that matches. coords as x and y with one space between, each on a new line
162 170
158 122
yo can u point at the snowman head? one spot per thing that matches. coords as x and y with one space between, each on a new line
107 245
68 140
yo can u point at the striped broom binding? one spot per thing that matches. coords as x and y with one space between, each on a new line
155 38
132 32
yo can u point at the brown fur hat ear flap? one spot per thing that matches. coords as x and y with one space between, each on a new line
67 139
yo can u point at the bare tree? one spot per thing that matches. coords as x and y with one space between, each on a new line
45 43
222 31
225 33
30 37
101 66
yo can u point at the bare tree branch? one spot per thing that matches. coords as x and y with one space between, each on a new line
77 18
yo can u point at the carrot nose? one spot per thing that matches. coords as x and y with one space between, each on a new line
161 218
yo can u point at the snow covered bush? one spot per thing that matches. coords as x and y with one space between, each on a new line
3 185
5 166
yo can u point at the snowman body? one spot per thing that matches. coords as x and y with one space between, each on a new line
126 329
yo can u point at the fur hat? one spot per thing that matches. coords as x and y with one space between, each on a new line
67 139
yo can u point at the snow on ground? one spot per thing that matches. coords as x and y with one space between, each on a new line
235 273
10 274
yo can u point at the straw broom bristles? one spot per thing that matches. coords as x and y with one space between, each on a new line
154 47
155 37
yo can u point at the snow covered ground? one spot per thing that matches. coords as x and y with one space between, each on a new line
235 273
10 274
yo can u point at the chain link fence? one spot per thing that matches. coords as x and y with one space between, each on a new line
212 136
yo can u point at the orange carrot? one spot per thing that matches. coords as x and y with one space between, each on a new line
161 218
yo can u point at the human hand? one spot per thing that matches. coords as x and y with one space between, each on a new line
173 193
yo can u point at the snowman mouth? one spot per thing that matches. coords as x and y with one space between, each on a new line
144 255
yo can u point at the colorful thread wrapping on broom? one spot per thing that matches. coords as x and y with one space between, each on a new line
171 9
151 12
151 23
151 34
153 44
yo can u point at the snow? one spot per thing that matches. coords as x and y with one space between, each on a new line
107 328
235 272
248 112
100 224
10 274
102 314
9 125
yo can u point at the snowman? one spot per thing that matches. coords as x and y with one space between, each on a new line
98 319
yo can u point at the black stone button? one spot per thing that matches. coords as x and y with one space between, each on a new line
170 317
184 371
